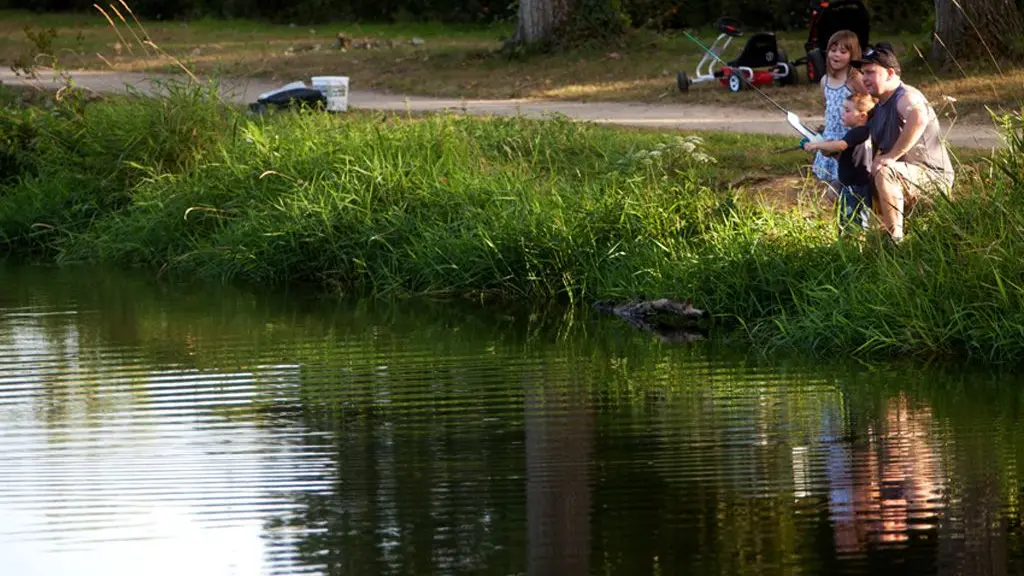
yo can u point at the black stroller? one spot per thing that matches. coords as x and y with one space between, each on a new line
827 18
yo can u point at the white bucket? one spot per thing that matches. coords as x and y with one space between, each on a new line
335 89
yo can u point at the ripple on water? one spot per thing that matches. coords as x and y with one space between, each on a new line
295 444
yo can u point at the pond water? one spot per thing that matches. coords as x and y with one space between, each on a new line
148 427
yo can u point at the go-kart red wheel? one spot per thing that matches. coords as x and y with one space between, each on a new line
815 66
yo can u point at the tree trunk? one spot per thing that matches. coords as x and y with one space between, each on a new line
539 20
973 28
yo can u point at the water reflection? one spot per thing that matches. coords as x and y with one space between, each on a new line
269 435
888 487
559 456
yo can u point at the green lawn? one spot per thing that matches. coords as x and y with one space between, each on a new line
461 61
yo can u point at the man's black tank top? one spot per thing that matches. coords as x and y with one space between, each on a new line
886 126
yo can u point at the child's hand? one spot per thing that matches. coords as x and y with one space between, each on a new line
804 142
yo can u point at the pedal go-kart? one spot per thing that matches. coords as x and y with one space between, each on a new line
762 62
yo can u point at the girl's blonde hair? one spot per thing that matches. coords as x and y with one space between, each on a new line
846 39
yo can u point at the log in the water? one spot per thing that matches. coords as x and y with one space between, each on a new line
672 321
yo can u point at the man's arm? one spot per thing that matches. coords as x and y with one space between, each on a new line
913 108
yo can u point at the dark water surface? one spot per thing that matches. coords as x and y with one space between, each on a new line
148 428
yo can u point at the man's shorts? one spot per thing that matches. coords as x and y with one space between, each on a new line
918 181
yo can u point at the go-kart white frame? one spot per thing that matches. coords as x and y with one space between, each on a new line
781 69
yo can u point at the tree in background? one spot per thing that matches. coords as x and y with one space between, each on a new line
539 20
547 23
974 28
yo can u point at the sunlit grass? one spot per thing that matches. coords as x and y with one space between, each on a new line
512 209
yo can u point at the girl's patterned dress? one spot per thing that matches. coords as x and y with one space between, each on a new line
827 168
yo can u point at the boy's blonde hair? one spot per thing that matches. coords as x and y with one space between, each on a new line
863 103
846 39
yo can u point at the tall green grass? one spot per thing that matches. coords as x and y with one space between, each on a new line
506 208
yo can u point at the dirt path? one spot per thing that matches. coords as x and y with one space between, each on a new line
675 116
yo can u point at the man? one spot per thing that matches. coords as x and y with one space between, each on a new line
911 159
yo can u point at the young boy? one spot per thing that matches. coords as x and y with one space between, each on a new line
854 160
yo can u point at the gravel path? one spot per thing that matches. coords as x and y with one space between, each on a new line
675 116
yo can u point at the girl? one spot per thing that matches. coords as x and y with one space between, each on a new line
841 81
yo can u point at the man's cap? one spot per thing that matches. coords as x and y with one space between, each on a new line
882 54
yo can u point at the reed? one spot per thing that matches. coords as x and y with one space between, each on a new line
507 209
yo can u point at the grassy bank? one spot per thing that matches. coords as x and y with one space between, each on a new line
464 61
504 208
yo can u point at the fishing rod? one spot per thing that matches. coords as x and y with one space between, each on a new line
791 118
